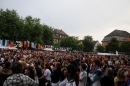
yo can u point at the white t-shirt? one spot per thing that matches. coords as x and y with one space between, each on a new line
63 83
47 74
71 83
2 59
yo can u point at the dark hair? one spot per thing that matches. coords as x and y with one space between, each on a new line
72 69
83 66
17 67
7 64
97 62
31 72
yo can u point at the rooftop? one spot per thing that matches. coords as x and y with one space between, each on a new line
119 34
58 31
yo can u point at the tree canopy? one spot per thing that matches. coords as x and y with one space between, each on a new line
14 27
69 42
88 44
100 48
113 45
125 46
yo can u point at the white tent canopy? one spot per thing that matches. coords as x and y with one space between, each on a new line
13 48
48 49
109 54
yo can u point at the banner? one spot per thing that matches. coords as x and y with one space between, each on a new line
6 43
35 45
1 42
11 44
28 43
32 44
20 44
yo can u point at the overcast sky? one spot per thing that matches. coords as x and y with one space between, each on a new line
96 18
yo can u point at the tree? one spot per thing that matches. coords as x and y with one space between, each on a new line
113 45
69 42
80 47
88 44
10 24
48 35
125 46
100 48
33 30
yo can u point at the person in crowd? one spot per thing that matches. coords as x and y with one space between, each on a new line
30 71
76 77
19 79
24 66
39 73
108 80
96 74
56 75
5 72
70 72
104 67
127 76
116 68
120 78
46 77
83 75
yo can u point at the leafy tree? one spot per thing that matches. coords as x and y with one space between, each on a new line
10 24
69 42
33 30
125 46
80 47
48 35
100 48
113 45
88 44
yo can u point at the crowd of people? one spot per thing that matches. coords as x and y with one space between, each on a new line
44 68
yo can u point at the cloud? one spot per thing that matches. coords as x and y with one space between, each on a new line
77 17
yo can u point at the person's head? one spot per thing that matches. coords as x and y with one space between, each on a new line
7 64
96 63
83 66
24 65
74 63
104 62
30 72
117 64
70 71
110 72
58 65
17 67
120 73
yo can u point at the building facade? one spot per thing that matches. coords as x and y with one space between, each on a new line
119 34
58 35
96 43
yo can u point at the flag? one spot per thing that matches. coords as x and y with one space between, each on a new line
6 43
32 44
28 43
20 44
39 45
24 44
11 44
1 42
35 45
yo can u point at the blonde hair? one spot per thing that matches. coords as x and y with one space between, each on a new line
120 73
24 65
